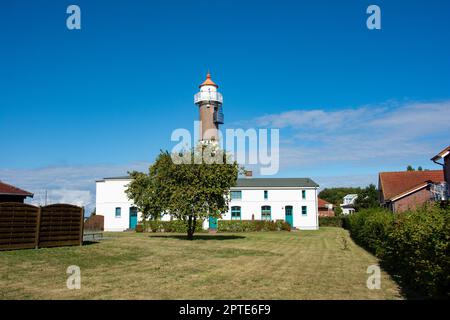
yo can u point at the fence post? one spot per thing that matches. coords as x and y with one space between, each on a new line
38 228
82 226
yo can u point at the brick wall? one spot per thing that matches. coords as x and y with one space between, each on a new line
417 198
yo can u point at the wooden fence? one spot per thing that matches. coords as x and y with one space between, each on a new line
95 223
24 226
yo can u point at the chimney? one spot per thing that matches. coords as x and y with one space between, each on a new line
248 173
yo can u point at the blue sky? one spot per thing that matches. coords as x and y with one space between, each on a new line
78 105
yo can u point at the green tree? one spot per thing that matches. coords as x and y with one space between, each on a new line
142 192
188 191
338 211
336 195
410 168
367 198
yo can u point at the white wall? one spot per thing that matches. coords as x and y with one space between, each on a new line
347 211
110 194
253 199
208 88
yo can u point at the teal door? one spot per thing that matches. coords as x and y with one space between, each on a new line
288 216
133 218
213 223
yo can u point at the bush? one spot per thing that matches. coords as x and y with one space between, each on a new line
413 245
252 225
418 248
369 227
330 222
179 226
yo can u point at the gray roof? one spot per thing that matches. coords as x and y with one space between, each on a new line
275 182
118 178
258 182
114 178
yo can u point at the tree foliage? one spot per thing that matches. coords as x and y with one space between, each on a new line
142 192
413 245
187 191
338 212
336 195
367 198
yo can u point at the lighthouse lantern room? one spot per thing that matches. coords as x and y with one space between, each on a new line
209 102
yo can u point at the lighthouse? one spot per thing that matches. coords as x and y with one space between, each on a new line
209 102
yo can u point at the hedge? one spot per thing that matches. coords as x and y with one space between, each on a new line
252 225
413 245
179 226
330 222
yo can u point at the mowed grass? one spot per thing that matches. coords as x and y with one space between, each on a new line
266 265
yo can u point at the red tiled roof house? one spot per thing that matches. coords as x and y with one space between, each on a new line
325 208
9 193
400 191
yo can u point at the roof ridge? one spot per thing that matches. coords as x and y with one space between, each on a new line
435 170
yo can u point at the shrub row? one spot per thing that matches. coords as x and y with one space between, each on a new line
413 245
330 222
252 225
179 226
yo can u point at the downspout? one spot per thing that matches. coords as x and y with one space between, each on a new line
435 161
317 211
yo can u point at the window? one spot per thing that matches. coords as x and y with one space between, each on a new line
304 210
235 213
265 213
303 194
118 212
236 195
266 194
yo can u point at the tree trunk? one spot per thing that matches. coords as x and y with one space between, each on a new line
190 231
191 226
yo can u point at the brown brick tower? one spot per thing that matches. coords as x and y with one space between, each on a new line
209 102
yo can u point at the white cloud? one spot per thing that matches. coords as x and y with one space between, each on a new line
65 184
383 134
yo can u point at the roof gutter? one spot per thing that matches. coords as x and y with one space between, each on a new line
435 161
441 155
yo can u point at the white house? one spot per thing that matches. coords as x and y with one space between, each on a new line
348 206
293 200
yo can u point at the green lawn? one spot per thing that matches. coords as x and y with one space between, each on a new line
266 265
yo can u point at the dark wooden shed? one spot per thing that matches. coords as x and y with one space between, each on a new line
9 193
